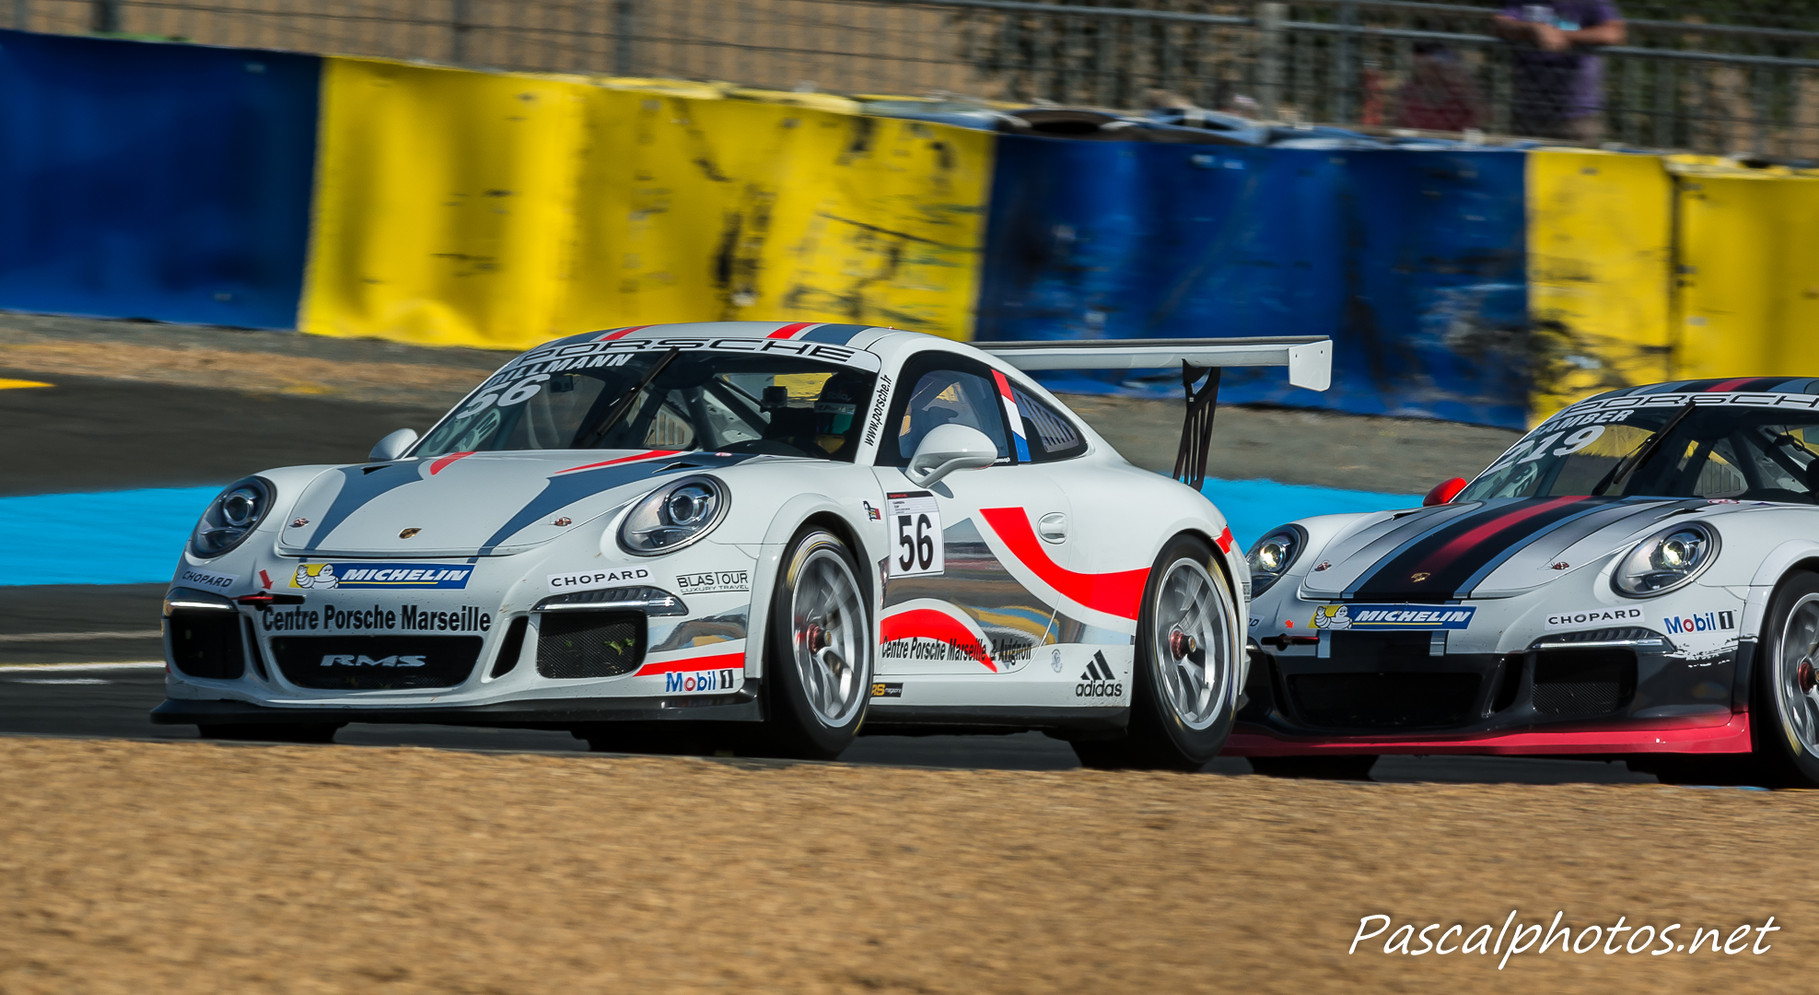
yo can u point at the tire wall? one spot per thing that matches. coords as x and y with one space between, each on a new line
359 197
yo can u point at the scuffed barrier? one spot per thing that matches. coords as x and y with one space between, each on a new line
1749 273
1412 261
144 180
1599 273
475 209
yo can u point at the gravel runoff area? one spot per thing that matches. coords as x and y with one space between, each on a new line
1390 455
135 867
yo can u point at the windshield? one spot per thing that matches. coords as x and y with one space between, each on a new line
781 405
1755 452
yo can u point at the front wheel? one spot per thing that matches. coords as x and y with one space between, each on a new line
819 666
1784 708
1184 690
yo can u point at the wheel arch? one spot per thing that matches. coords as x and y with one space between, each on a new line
1781 563
797 513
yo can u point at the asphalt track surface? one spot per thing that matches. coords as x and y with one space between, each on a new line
88 433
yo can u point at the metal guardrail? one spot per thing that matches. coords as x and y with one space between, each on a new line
1725 88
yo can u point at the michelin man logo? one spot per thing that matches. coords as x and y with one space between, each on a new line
320 577
1332 617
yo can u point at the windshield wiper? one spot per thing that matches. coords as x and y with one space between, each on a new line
1631 463
623 406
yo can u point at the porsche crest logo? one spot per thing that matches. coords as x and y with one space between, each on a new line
1419 576
407 533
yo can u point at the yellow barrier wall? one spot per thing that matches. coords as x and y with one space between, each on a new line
462 208
1749 283
1600 256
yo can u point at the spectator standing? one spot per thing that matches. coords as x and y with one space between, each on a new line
1439 94
1559 79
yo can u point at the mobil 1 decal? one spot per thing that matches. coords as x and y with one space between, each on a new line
915 522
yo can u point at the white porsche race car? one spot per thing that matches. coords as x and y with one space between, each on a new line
752 536
1636 578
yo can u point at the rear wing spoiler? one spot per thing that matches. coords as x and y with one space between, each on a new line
1309 359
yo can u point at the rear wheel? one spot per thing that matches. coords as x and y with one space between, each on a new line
819 667
1784 706
1184 687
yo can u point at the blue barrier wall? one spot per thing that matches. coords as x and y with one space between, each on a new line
1413 261
142 180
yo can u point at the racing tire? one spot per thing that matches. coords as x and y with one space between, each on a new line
1784 703
1344 767
305 732
1184 685
818 664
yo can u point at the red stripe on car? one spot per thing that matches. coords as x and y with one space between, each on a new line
791 331
720 661
1225 540
621 333
1466 540
652 454
927 623
1724 385
1118 593
442 462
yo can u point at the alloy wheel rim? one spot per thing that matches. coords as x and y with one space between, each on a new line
828 636
1191 631
1797 658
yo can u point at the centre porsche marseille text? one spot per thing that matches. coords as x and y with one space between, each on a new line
1512 937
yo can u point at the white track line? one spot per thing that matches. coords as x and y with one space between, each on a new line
53 637
38 668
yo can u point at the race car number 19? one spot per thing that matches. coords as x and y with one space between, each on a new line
917 526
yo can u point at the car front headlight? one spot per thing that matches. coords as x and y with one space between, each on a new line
1271 556
1666 560
673 516
231 517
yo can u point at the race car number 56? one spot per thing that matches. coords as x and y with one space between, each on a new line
917 525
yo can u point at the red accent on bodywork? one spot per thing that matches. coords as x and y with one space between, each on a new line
927 623
265 579
1466 540
1225 540
791 331
621 333
1117 593
1444 492
652 454
1725 385
1004 386
436 467
720 661
1639 736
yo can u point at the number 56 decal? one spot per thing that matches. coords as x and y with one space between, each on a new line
916 528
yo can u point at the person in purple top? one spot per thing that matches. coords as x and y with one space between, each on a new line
1559 81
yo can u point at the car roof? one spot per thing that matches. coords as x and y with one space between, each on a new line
857 336
1749 385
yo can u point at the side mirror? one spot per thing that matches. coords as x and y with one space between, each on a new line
948 448
393 446
1443 492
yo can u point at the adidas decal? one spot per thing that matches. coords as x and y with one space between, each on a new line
1098 681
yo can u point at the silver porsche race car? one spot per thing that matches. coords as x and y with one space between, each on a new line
751 536
1638 577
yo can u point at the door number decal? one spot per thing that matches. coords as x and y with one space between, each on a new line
916 528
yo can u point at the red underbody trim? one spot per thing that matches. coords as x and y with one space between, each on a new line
436 467
927 623
1116 593
723 661
653 454
1630 737
790 331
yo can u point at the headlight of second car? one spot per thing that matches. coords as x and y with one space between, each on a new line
231 517
1666 560
674 515
1271 556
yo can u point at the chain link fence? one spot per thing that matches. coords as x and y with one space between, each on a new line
1724 76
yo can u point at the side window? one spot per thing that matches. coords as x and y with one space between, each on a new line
940 395
1051 436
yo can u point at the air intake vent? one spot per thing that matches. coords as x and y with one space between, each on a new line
206 644
1383 700
1581 684
511 646
579 644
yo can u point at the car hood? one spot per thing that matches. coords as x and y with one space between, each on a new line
1484 549
472 504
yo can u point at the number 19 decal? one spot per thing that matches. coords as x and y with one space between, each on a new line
916 535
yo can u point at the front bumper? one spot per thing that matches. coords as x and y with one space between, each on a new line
1588 693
